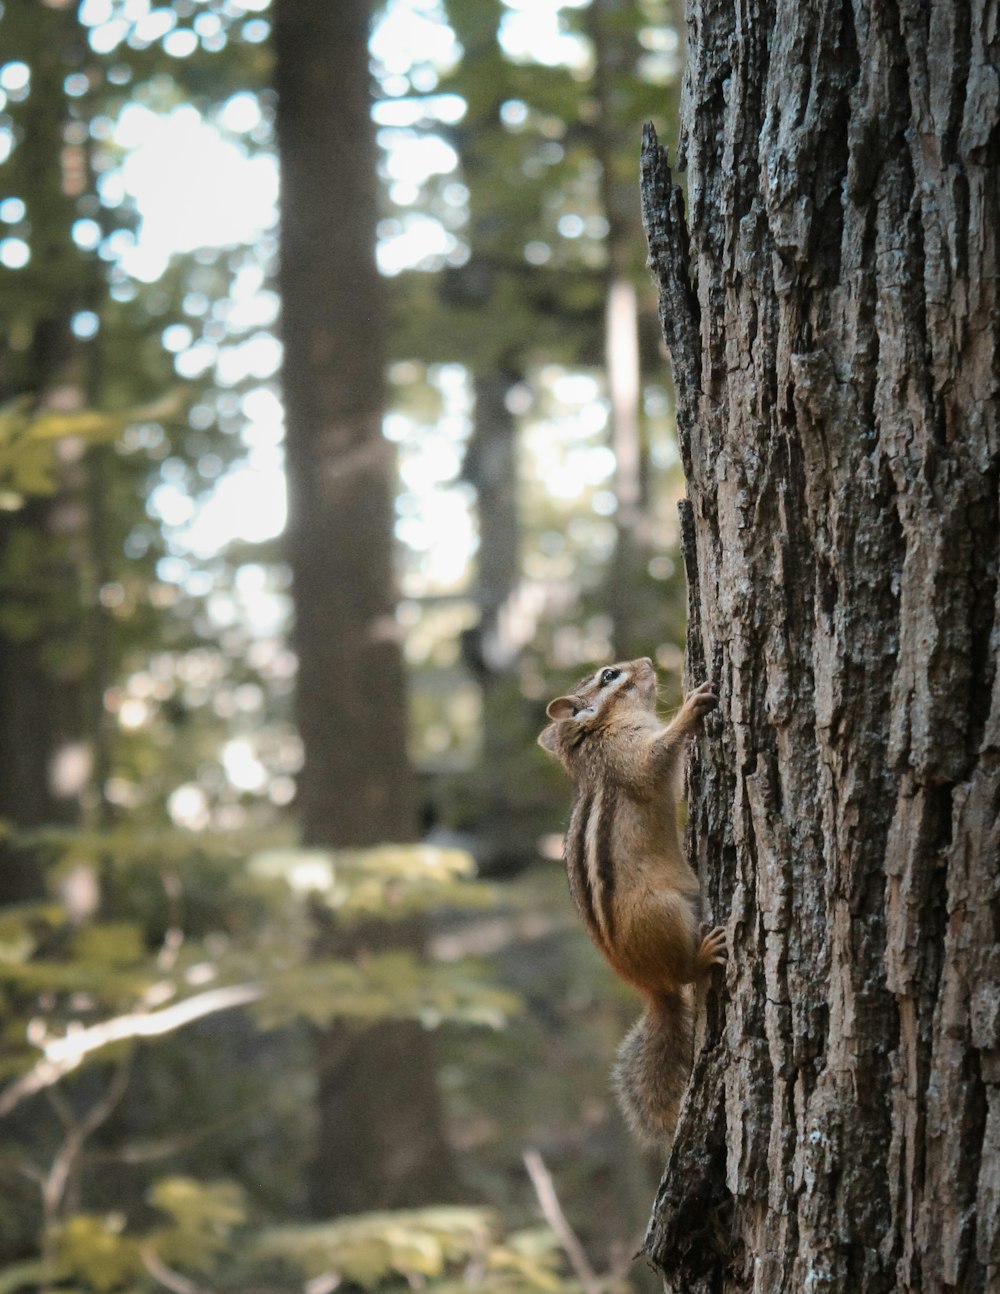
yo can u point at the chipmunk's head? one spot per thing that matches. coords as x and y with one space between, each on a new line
594 704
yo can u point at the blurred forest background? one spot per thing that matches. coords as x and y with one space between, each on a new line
289 975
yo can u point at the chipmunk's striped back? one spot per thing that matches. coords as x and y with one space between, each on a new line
609 700
589 862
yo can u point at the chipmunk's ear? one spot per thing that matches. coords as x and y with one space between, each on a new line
547 739
563 707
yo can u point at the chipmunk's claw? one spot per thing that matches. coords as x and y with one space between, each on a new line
701 701
712 950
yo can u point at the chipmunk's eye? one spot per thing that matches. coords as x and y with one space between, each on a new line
609 676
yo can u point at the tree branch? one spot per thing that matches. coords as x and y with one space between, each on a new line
166 1276
541 1180
57 1184
62 1055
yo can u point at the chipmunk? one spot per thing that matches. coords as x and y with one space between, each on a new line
638 897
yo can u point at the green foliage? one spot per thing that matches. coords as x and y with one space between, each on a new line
203 1217
111 943
30 441
40 953
23 927
112 967
22 1275
252 918
428 1248
93 1252
99 1254
387 881
385 986
28 452
444 1249
121 965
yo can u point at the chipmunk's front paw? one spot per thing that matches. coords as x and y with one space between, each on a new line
712 950
699 703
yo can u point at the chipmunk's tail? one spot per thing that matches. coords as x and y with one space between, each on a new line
654 1063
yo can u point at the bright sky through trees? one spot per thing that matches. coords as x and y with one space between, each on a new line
206 184
197 185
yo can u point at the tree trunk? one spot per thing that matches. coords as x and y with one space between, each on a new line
834 330
42 695
356 787
612 30
504 839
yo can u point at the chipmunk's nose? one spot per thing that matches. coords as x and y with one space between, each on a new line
644 660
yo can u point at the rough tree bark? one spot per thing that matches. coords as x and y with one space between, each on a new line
380 1140
834 333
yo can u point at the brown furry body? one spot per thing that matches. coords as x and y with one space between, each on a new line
637 895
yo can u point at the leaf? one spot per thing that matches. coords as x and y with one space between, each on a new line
193 1204
29 468
388 880
24 926
385 986
370 1247
14 416
107 983
93 1249
110 943
22 1275
86 424
305 870
28 438
424 1245
204 1216
532 1256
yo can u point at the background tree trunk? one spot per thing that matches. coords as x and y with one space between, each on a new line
380 1140
356 785
502 842
42 701
834 336
612 29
